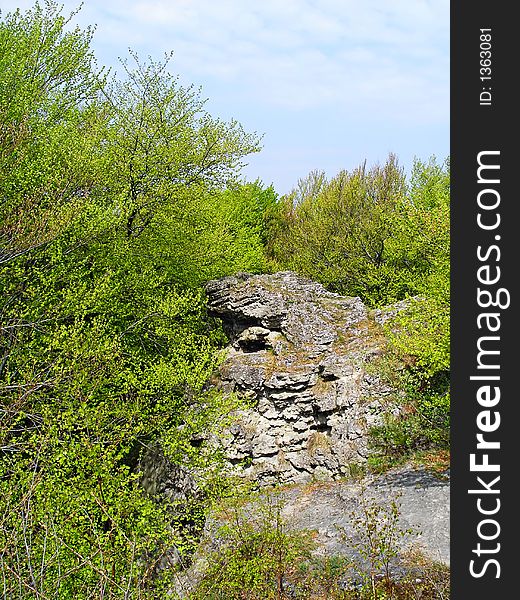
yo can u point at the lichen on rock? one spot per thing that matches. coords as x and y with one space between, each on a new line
303 354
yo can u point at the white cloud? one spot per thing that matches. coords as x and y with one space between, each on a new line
296 53
299 54
377 62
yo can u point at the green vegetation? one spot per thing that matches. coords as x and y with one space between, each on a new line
119 199
377 534
254 550
114 208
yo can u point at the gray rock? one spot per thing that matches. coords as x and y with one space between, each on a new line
253 338
304 353
423 502
163 479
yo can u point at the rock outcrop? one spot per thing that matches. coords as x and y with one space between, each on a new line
304 358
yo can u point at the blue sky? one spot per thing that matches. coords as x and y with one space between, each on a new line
329 83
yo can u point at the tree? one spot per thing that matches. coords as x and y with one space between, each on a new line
339 232
47 74
420 334
105 344
162 141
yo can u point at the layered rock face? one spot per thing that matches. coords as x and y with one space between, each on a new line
302 356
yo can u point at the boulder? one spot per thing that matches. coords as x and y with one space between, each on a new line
306 356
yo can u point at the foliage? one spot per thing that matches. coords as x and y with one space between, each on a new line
254 552
47 157
423 425
105 343
212 233
422 331
366 233
339 232
161 141
419 335
425 579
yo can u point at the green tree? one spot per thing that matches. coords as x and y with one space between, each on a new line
424 232
47 141
420 334
339 232
208 233
105 345
162 141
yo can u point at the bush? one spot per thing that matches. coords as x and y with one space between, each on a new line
339 232
255 553
105 344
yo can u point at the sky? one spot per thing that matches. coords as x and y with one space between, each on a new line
329 84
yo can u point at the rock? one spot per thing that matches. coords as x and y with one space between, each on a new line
163 479
423 500
304 353
330 510
253 338
174 486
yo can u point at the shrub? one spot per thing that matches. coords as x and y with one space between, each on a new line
255 553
